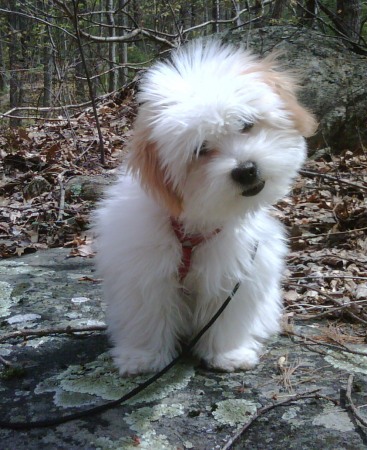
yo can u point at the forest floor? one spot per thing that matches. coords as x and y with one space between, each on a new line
326 276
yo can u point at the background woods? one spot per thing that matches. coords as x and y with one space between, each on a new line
44 70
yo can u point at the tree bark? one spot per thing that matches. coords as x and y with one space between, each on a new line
278 9
236 9
122 54
215 15
47 71
15 64
2 66
112 48
349 14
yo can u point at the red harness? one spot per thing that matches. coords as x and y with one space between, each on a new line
188 243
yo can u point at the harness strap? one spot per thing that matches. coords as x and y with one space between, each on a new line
188 242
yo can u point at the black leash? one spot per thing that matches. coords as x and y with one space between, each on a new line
129 395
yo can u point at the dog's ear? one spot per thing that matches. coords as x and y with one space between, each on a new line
285 85
303 119
144 163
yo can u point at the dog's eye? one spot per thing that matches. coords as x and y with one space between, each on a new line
246 126
203 150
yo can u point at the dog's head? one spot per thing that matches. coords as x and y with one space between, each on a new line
219 133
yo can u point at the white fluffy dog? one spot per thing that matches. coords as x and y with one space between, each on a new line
217 140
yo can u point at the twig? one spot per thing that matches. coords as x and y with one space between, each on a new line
49 331
328 234
227 21
310 255
339 34
43 109
328 312
75 21
260 412
44 119
25 207
37 19
326 277
62 197
5 362
340 347
350 404
132 66
335 301
286 371
179 29
84 152
309 173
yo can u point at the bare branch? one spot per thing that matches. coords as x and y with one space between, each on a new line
123 38
127 37
262 411
153 34
37 19
221 21
337 302
179 30
351 405
90 87
50 331
356 47
136 66
43 108
309 173
309 341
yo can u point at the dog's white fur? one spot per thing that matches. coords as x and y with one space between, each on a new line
206 94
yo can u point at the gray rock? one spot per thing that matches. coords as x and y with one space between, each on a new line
334 80
188 408
88 187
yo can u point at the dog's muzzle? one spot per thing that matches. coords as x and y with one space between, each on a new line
248 176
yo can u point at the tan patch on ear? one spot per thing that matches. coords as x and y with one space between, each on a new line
304 121
285 85
144 163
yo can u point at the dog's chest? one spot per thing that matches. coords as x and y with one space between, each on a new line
214 266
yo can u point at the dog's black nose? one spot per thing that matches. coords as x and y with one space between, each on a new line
245 173
248 176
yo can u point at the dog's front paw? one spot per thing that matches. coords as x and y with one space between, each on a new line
134 362
241 358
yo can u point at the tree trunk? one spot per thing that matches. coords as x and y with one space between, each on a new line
112 48
349 13
278 9
308 12
47 71
123 57
80 84
237 9
15 64
3 81
193 15
215 15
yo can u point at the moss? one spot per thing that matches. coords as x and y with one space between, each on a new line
333 418
100 378
20 288
146 441
140 419
6 301
234 412
348 361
